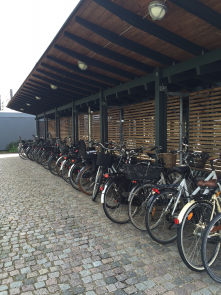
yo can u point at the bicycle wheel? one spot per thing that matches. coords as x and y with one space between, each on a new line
116 200
98 181
137 205
210 249
159 217
86 180
66 166
22 153
75 169
52 165
58 165
44 159
190 232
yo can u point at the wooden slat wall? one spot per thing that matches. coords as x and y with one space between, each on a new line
114 125
205 122
139 125
83 127
51 127
173 124
64 127
95 126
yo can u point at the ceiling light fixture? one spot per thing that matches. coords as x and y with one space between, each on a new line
37 97
82 65
157 9
22 109
54 87
28 104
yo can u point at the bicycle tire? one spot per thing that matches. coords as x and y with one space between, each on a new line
115 203
158 221
211 239
58 165
189 234
45 157
98 181
137 205
75 169
52 165
67 166
86 180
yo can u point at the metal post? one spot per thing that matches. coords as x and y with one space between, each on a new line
181 128
121 126
73 123
89 127
105 121
56 123
59 123
160 113
101 117
45 127
37 126
76 124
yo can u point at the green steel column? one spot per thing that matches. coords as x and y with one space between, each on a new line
37 126
105 121
89 127
160 113
45 127
101 117
59 129
73 123
76 125
56 123
121 126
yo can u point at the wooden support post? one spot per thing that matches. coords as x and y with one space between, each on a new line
160 113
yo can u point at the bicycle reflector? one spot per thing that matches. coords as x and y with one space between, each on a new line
73 161
65 158
106 175
76 151
156 190
176 221
134 181
60 154
101 188
190 216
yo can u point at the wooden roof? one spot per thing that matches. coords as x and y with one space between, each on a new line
145 45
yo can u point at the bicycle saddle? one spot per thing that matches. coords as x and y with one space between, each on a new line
209 183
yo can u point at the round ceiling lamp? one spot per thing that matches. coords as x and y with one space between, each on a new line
37 97
157 9
82 65
54 87
21 109
28 104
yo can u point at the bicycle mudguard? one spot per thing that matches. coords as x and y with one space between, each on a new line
105 188
59 159
151 199
62 164
183 211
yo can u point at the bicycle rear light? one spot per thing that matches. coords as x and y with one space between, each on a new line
156 190
106 175
60 154
101 188
65 158
73 161
134 181
176 221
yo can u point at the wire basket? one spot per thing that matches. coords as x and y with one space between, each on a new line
168 159
141 171
197 162
105 160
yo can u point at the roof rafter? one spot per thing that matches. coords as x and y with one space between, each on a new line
75 77
200 10
126 43
68 81
110 53
151 28
95 63
87 73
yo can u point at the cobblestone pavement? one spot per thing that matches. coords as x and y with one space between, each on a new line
54 240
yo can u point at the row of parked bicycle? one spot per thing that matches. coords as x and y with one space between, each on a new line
169 202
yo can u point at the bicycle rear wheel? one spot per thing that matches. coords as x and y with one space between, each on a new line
116 200
75 169
86 180
98 181
210 249
190 232
137 205
159 218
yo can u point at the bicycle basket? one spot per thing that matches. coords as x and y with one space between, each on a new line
105 160
141 171
197 162
168 160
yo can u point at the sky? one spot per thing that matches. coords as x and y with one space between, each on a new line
27 27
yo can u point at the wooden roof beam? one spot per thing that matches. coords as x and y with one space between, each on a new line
68 81
110 53
76 77
87 73
125 43
200 10
96 63
151 28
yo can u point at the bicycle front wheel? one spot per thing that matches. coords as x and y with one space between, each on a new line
210 249
190 232
86 180
160 217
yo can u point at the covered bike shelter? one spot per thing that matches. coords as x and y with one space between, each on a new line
113 73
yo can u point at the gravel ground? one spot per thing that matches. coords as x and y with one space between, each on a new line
55 240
